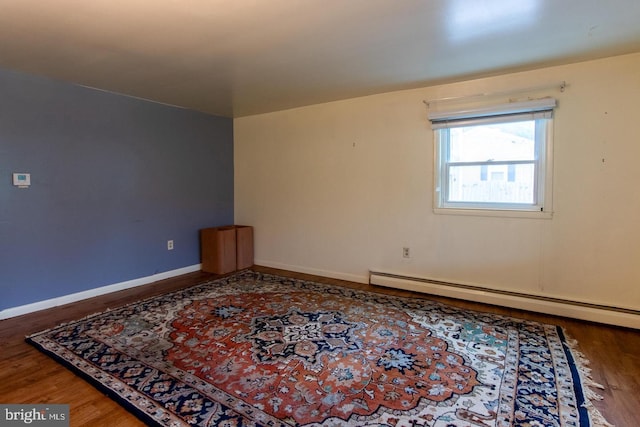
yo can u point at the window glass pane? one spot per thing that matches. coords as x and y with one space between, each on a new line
492 183
495 141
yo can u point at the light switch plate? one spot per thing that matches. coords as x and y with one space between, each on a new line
22 180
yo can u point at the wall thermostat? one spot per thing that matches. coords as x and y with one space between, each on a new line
22 180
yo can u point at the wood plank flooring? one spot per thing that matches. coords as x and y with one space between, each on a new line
28 376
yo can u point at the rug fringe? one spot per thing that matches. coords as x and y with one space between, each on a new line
582 364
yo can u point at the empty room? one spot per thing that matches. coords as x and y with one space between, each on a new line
320 213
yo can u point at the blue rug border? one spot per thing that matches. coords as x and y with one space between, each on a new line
585 419
132 409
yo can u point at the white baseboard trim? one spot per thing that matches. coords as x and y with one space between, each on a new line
315 271
66 299
575 309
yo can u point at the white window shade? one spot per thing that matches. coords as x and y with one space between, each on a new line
533 109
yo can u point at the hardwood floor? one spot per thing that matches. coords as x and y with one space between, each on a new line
28 376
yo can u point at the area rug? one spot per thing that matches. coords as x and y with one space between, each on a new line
256 349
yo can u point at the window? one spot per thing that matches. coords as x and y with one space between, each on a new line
494 160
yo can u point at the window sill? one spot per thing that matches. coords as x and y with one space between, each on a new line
503 213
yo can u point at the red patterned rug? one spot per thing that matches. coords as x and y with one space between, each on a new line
263 350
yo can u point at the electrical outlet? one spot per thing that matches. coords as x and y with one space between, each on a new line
169 245
406 253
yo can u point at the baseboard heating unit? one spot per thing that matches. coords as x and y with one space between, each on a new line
541 304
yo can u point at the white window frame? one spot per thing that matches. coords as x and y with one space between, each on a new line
540 110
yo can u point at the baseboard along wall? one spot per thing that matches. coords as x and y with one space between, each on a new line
90 293
574 309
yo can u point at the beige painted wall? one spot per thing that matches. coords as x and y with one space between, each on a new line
340 188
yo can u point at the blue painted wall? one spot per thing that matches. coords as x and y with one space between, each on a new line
112 179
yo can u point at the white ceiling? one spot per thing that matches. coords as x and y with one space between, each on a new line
242 57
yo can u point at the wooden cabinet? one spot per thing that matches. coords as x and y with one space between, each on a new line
226 249
244 246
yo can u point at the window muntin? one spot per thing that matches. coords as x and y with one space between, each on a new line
495 163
